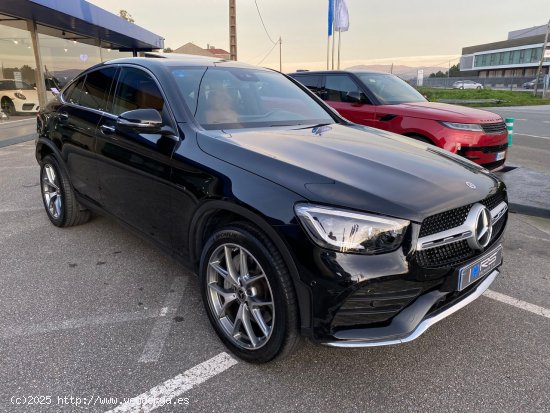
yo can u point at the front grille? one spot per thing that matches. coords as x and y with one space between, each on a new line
493 201
444 220
451 254
28 106
499 127
377 303
485 149
446 255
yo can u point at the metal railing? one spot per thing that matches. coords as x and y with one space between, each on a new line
497 83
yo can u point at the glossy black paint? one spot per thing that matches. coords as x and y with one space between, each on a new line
175 186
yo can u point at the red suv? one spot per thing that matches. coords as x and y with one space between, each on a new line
384 101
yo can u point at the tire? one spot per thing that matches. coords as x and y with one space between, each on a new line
237 305
60 203
8 107
479 88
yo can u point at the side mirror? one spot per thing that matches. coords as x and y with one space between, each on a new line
140 121
355 97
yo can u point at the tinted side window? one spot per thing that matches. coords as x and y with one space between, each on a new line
313 82
95 93
72 93
338 86
136 90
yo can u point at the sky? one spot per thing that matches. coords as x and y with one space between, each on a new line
408 32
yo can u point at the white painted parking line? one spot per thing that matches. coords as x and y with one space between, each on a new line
161 329
27 330
532 136
177 386
545 312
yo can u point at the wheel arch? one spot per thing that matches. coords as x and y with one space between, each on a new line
420 135
216 213
46 147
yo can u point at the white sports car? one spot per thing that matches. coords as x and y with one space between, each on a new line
18 97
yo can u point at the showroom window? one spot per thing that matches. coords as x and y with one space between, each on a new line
16 53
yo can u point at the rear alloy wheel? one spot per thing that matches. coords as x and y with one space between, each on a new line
57 193
248 294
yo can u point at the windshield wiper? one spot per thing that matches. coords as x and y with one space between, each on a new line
316 126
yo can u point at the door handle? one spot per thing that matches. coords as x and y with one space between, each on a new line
107 130
63 116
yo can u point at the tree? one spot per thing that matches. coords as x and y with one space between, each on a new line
455 70
126 16
438 74
168 50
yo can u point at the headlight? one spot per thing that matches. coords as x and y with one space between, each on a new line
473 127
20 96
347 231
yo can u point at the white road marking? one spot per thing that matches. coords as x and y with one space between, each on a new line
535 309
27 330
11 210
532 136
161 329
8 122
546 121
175 387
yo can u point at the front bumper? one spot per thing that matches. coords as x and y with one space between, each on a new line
24 106
491 157
485 149
412 322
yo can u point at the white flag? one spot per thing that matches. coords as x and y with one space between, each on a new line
341 16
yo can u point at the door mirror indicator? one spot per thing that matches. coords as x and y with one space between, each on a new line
140 121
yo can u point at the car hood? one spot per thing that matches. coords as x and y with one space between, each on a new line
355 167
31 95
442 111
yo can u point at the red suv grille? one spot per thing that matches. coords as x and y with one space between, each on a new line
498 127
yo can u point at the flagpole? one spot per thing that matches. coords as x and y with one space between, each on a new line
333 47
339 45
328 52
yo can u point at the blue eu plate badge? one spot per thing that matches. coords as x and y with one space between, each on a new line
479 268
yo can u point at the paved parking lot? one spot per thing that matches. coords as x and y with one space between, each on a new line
93 315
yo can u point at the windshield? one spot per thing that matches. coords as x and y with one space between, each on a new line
235 98
389 89
8 84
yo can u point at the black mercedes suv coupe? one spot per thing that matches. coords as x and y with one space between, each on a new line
297 222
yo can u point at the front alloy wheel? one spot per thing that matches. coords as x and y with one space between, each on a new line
248 293
240 296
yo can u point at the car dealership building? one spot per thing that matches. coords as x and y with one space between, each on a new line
517 56
45 43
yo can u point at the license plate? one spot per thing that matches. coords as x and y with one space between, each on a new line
479 268
500 156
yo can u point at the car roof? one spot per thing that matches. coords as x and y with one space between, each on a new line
325 72
155 60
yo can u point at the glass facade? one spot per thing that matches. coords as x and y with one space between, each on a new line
512 57
64 55
17 69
